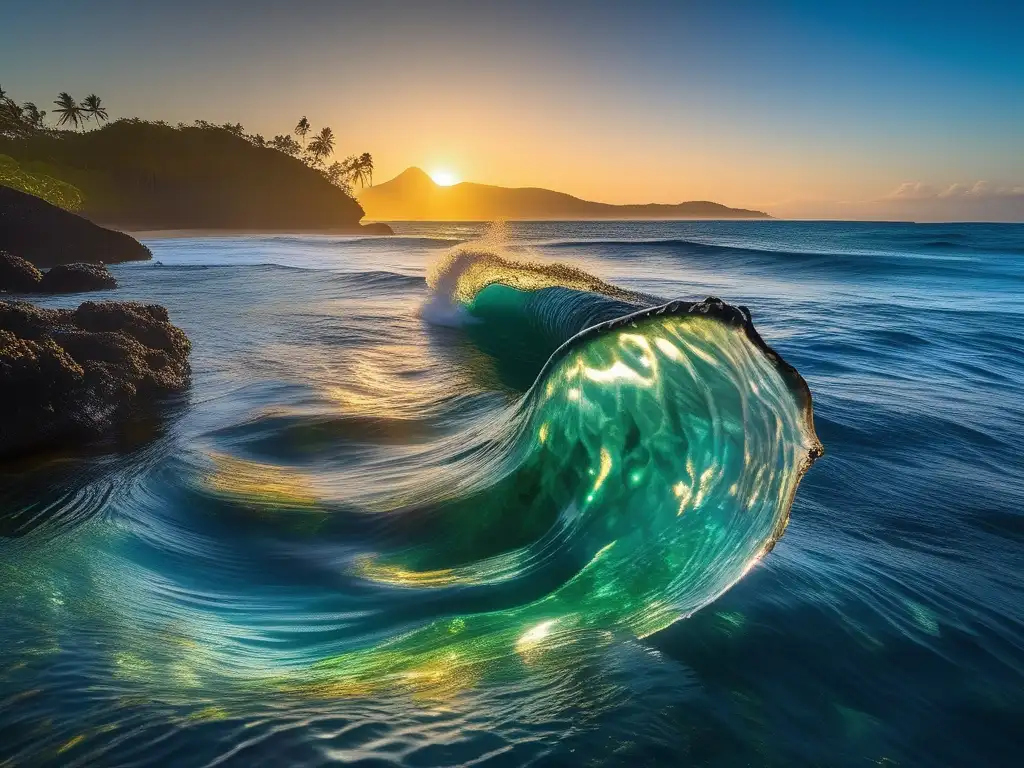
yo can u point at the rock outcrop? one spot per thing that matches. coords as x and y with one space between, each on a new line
46 235
74 278
18 275
71 375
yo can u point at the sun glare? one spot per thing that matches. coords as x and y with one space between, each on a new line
444 178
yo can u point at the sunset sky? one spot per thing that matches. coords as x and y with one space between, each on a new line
854 110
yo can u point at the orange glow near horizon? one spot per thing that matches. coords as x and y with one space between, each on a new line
444 178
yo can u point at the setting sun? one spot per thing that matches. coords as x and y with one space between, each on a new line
444 178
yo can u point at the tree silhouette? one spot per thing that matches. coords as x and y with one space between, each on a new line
301 129
321 146
285 144
335 173
68 110
358 170
11 118
366 165
92 107
13 121
33 115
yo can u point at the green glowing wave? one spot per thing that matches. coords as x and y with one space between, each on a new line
652 463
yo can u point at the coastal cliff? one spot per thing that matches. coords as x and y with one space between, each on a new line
47 236
136 175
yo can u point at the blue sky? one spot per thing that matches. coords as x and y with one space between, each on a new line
842 110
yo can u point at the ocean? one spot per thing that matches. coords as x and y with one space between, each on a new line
406 516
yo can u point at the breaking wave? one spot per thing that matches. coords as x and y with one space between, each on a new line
649 460
653 461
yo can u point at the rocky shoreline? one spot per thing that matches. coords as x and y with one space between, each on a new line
72 375
68 376
20 276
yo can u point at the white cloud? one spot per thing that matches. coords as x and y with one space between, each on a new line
917 201
980 190
912 190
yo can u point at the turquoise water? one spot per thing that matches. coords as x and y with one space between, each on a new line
406 516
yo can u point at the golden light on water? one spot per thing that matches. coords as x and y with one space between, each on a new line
444 178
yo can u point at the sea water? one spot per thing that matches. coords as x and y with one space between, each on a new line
403 517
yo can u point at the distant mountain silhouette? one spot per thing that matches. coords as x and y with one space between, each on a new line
413 196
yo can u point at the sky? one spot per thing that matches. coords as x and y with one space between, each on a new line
843 110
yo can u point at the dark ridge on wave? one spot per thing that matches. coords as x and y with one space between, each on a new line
271 436
694 246
370 277
676 242
58 508
912 237
865 263
227 266
737 317
1012 250
669 242
381 277
389 241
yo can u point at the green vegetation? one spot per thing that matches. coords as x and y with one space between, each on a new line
135 173
53 191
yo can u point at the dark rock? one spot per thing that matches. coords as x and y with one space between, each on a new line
18 275
146 323
71 375
47 235
31 322
76 278
376 228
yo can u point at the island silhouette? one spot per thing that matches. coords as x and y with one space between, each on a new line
414 196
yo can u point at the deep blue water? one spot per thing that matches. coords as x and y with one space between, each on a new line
177 597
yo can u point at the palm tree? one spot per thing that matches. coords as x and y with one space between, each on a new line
366 164
33 115
321 146
94 109
68 110
302 129
346 169
354 173
358 170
